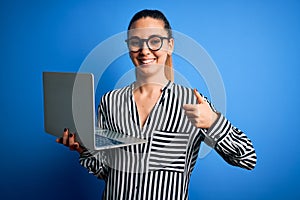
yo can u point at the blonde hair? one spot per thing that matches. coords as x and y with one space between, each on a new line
169 72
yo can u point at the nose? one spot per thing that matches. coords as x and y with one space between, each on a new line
144 48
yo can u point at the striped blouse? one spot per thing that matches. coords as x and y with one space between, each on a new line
160 168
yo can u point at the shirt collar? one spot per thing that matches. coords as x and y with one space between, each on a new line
167 86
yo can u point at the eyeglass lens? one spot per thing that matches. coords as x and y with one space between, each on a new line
153 43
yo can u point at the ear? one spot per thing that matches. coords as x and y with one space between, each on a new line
171 46
130 56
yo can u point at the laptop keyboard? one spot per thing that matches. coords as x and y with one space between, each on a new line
104 141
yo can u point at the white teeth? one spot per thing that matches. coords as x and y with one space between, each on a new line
147 61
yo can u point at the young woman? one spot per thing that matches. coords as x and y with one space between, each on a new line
174 120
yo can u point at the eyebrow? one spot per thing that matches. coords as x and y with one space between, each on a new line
148 37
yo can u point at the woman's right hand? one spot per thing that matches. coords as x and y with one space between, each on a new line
69 140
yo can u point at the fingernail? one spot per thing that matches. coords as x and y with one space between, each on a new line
75 146
59 140
66 129
71 135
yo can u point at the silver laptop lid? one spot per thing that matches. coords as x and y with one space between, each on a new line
69 103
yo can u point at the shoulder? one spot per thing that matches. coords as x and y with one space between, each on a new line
179 88
119 90
182 90
183 93
115 94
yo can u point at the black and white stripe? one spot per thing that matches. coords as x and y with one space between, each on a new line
160 168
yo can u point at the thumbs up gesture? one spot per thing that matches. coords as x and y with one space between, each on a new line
201 115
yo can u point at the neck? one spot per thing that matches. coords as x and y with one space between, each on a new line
147 81
150 84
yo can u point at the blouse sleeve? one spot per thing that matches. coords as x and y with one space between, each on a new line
96 161
231 143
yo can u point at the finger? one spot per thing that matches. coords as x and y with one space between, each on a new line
198 96
71 139
192 114
66 137
75 146
59 140
189 107
194 120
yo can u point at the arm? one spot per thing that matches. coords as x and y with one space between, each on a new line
231 143
93 161
96 161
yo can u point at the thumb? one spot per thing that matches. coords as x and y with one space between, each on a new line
198 96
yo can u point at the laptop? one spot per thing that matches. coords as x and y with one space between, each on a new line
69 102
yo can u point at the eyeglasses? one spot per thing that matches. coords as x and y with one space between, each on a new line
154 43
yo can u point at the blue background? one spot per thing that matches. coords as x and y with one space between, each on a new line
255 45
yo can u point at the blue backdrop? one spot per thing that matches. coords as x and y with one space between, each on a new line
255 45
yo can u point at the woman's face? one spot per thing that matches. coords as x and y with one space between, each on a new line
147 55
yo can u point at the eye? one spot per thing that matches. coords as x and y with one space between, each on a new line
155 41
134 42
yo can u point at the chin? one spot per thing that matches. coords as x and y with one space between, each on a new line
149 69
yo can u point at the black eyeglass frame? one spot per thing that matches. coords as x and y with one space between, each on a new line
141 42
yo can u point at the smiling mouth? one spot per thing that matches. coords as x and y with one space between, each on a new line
147 61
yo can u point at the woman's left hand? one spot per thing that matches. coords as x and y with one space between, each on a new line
201 115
